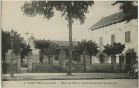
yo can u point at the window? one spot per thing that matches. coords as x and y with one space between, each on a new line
100 41
127 37
112 38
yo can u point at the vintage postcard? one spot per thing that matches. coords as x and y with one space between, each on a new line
69 44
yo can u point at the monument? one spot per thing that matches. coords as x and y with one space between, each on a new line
33 56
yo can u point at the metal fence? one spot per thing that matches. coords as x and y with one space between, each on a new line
79 68
7 68
52 68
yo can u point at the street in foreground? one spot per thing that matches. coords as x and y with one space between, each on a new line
96 83
63 76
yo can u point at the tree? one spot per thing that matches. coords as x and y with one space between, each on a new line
130 9
92 49
6 45
71 10
101 55
43 45
53 50
131 56
87 47
108 49
113 49
46 48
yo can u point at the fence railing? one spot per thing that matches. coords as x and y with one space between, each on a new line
51 68
80 68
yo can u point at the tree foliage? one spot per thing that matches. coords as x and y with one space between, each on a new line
101 56
90 47
73 9
113 49
130 9
132 55
18 46
6 42
42 44
53 49
25 49
47 48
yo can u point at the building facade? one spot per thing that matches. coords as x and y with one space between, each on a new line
112 29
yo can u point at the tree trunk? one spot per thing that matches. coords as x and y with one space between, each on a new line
22 60
70 47
84 61
90 60
49 59
42 58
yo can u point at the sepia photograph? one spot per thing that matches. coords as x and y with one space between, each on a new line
84 43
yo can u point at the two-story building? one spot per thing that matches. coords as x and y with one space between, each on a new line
112 29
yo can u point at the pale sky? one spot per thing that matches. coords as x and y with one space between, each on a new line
55 28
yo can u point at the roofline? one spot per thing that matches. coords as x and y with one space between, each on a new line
106 25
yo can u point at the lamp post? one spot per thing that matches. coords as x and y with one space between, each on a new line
12 35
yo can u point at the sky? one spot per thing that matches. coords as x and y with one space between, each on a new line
56 28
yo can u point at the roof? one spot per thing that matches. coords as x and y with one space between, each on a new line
108 20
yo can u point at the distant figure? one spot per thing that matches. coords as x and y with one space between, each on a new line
135 67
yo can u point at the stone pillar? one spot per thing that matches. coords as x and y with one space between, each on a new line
81 59
52 59
122 62
87 62
29 61
62 58
8 57
19 63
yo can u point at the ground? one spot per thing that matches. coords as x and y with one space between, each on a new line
94 83
61 80
63 76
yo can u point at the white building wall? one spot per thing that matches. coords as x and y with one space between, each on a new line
119 30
